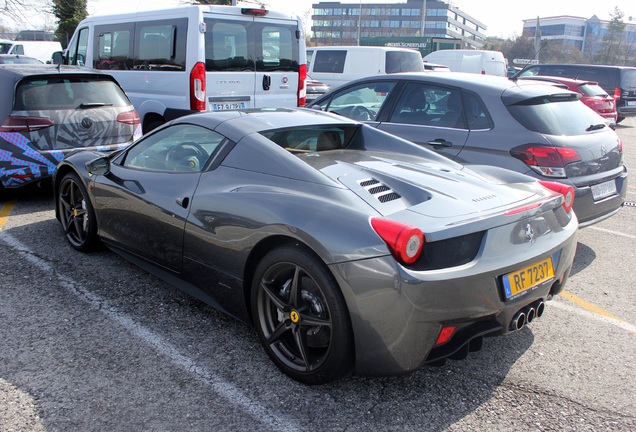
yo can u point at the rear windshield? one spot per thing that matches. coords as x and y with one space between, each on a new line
56 92
553 117
313 139
5 47
403 61
592 90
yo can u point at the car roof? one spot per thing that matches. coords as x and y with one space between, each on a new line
472 82
237 124
556 79
24 70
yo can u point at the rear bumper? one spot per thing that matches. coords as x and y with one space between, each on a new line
589 211
397 314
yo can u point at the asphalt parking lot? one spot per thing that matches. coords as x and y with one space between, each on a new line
92 343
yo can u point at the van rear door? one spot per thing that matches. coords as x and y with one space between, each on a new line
251 62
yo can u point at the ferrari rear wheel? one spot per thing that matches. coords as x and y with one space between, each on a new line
76 213
301 316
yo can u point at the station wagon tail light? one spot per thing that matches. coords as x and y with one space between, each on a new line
302 89
25 124
254 11
197 87
404 241
545 160
129 117
566 190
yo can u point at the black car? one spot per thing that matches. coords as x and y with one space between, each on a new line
533 128
617 81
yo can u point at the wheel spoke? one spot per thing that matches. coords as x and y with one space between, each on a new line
311 321
294 293
278 303
79 229
278 332
302 349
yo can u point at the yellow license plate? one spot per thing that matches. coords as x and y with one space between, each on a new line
527 278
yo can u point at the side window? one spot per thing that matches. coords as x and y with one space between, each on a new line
113 47
161 45
181 148
226 47
430 105
329 61
477 116
19 49
77 49
362 102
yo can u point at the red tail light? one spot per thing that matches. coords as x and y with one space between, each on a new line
547 161
129 117
617 94
302 89
565 190
25 124
197 87
404 241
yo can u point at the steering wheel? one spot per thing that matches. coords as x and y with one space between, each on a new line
362 113
186 156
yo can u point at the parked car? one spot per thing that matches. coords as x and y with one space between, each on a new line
18 59
346 247
482 62
617 81
535 129
315 88
592 95
49 112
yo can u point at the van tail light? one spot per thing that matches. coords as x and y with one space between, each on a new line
617 94
254 11
565 190
545 160
25 124
404 241
302 85
197 87
129 117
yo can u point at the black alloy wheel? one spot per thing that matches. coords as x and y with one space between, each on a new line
301 316
76 213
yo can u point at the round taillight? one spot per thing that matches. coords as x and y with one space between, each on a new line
404 241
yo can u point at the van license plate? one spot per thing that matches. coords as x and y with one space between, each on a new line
228 106
603 190
527 278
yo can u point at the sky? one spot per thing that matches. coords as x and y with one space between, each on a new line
502 18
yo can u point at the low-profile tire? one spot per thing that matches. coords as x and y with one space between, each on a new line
76 214
301 316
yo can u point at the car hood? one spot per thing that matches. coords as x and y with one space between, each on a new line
392 183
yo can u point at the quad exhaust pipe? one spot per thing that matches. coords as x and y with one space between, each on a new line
526 315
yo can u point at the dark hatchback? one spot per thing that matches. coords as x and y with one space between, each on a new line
532 128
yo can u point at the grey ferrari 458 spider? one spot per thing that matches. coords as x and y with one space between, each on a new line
347 248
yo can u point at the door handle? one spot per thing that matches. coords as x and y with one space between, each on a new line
440 142
183 202
267 82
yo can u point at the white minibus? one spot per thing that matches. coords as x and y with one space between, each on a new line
177 61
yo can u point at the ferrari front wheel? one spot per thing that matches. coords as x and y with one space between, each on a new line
76 213
301 316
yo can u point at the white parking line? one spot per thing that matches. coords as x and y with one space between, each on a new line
613 232
223 388
594 316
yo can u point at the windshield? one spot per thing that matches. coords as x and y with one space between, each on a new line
5 47
552 117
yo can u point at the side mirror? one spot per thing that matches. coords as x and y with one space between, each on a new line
58 57
99 166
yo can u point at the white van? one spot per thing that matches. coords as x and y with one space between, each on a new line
41 50
336 65
472 61
174 62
